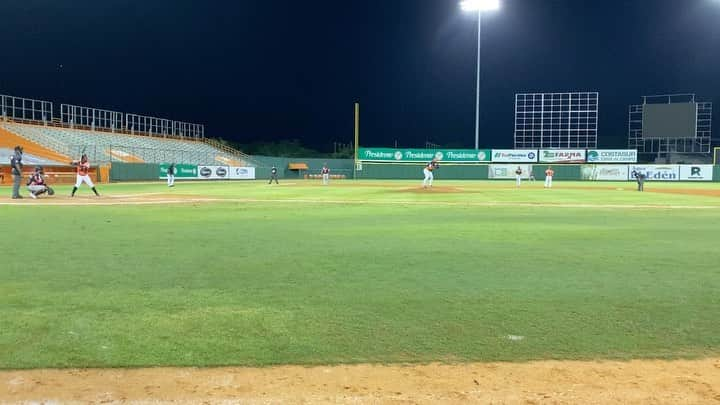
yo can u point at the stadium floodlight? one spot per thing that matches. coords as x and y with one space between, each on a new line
478 6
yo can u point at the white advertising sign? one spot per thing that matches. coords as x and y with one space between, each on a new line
696 172
241 173
562 156
656 172
213 172
514 155
605 172
612 155
508 171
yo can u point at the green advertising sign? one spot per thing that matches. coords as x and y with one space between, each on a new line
423 155
181 170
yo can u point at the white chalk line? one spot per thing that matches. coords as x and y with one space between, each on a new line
133 201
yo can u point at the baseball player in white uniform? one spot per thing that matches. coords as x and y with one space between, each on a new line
83 175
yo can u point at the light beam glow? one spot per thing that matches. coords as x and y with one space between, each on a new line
479 5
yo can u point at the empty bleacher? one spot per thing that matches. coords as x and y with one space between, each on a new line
105 147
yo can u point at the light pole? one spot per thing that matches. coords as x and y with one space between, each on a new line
478 6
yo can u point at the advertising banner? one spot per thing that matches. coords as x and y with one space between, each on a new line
696 172
213 172
423 155
181 171
514 155
508 171
612 156
562 156
656 172
604 172
241 173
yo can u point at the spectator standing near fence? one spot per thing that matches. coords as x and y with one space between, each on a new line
325 175
549 173
16 165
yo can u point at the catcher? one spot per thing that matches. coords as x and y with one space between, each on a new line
83 175
37 185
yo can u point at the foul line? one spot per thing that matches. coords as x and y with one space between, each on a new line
133 200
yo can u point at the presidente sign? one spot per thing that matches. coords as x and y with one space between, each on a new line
514 155
562 156
423 155
181 171
612 155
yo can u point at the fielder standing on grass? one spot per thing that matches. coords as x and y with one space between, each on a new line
17 165
518 176
171 175
83 175
549 173
428 172
325 174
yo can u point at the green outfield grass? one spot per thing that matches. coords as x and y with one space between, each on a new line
361 272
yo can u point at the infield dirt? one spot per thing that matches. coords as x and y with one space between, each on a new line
551 382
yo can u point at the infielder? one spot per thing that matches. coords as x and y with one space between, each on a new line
549 173
37 185
83 176
428 172
171 175
518 176
325 174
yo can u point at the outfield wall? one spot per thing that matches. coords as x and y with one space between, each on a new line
408 171
449 171
336 166
120 171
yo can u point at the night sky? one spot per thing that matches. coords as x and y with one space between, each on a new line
274 69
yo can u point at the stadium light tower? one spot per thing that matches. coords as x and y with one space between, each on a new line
478 6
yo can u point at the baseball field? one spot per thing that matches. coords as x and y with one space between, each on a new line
359 272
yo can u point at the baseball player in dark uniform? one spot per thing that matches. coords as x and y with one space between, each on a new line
273 175
37 185
17 165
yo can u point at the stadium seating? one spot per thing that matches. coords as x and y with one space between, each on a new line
103 147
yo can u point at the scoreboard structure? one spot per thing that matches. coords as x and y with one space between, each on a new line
556 120
671 123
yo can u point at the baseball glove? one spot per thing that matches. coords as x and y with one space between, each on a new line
50 191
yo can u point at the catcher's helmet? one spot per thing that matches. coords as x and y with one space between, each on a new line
38 169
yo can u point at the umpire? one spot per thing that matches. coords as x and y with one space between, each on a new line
17 165
640 178
273 175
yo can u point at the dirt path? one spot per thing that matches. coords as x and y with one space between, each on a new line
553 382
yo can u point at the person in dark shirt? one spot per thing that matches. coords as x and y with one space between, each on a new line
17 165
273 175
640 178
